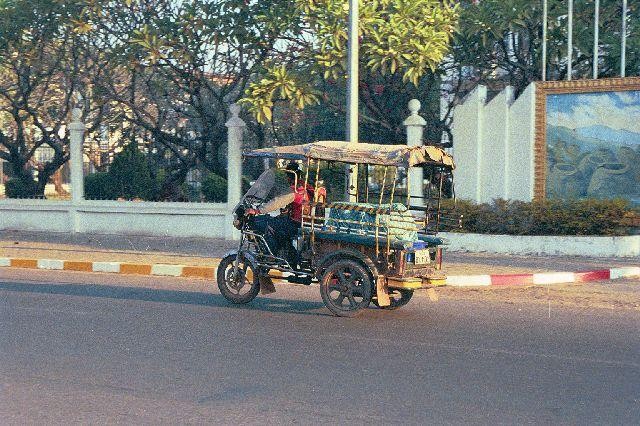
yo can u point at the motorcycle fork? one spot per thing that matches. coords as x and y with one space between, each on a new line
235 262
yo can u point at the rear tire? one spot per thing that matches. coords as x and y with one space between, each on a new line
346 288
398 299
237 289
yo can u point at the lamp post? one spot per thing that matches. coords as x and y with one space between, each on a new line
352 94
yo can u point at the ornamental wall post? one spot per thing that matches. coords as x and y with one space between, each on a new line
415 129
235 129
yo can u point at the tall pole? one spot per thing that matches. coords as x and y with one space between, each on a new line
570 41
544 40
596 34
623 47
352 91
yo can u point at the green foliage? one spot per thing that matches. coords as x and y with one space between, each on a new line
278 83
549 217
99 186
214 188
502 40
129 177
397 37
20 188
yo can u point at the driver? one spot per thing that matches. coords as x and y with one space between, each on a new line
280 230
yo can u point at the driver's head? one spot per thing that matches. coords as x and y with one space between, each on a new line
293 169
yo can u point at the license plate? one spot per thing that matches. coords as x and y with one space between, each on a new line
422 257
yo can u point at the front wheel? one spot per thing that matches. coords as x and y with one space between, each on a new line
345 288
237 285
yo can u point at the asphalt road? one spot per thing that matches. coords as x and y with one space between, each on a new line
82 348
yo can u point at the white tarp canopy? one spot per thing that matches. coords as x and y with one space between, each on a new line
359 153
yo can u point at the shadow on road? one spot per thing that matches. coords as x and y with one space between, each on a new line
166 296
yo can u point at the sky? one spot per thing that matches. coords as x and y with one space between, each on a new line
617 110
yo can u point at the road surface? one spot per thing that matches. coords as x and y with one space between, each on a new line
90 348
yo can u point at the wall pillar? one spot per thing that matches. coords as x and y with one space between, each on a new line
235 129
76 129
415 129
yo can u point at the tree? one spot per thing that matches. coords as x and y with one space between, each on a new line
402 44
500 41
42 76
179 65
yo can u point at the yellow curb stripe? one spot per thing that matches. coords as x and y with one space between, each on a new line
198 271
24 263
136 269
71 265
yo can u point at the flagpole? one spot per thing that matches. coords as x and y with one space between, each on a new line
623 47
570 41
596 34
544 40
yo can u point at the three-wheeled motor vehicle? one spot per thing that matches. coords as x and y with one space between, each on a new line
370 240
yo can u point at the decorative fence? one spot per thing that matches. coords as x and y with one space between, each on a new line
76 214
68 210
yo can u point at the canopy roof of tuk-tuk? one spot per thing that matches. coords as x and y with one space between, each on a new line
359 153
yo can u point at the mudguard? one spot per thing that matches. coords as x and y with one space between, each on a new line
249 257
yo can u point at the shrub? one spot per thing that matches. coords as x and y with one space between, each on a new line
130 175
214 188
549 217
99 186
20 188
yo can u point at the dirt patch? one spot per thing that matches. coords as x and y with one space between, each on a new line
609 295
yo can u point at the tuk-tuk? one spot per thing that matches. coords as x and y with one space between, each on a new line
366 241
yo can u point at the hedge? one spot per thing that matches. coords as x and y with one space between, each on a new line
549 217
19 188
129 177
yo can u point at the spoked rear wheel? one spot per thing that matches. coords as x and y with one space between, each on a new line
237 285
345 288
397 297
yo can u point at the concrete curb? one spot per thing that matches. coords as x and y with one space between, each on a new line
208 272
157 269
543 278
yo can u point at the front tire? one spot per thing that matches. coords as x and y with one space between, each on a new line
241 287
346 288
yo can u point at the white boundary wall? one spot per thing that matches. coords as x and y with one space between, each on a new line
627 246
118 217
493 145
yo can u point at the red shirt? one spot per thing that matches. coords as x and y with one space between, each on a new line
301 197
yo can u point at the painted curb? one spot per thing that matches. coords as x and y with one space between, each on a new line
208 272
544 278
123 268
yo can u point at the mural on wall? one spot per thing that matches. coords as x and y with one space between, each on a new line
593 145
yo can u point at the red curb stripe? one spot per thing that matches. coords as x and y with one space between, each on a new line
512 279
603 274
